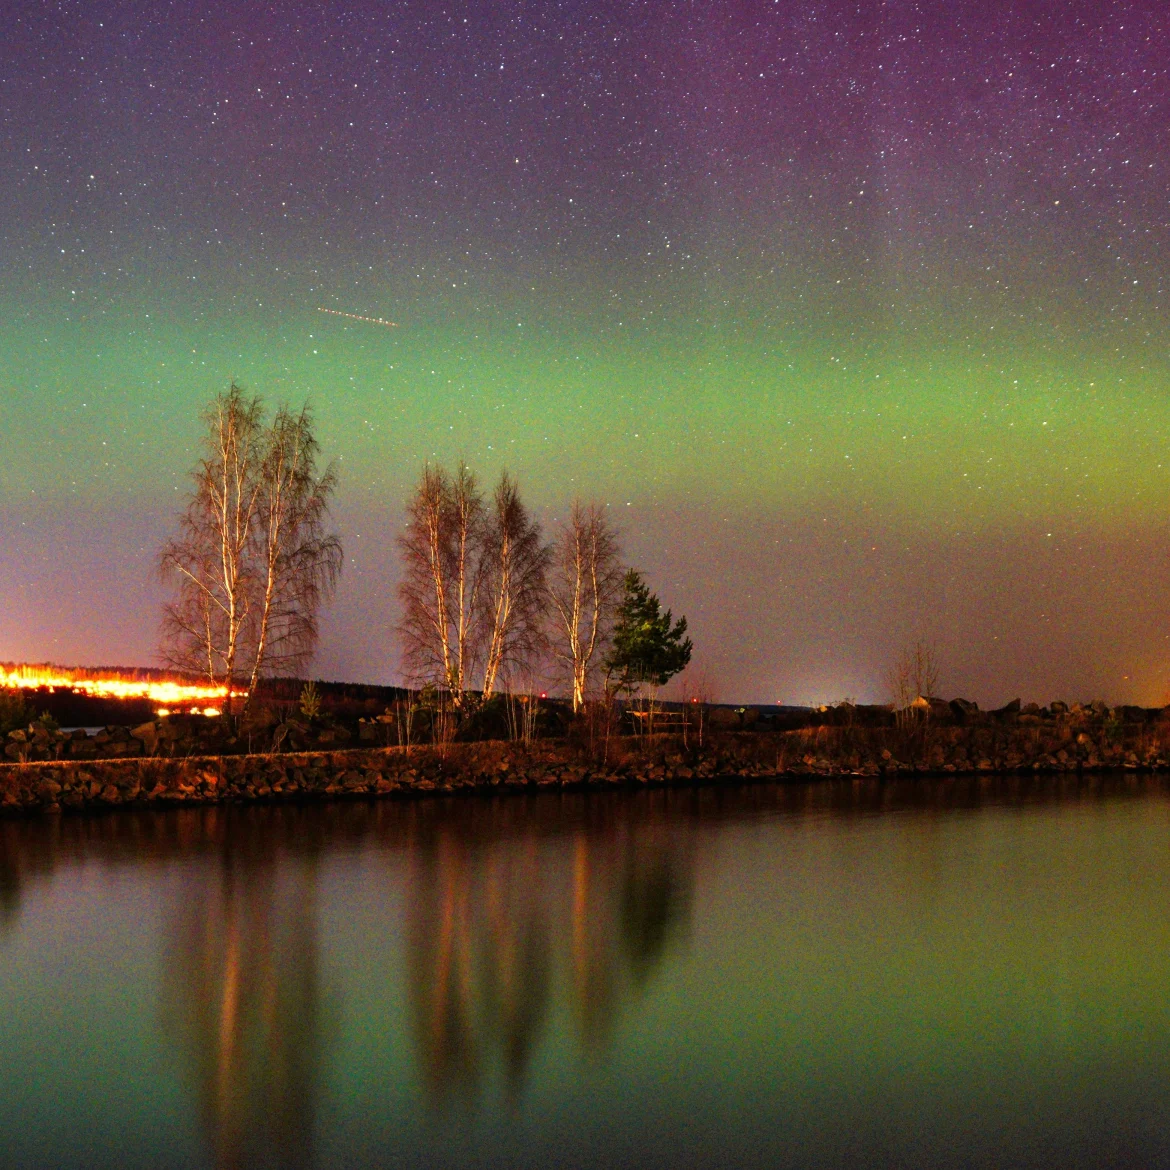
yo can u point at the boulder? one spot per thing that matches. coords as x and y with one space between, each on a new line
259 718
1008 712
147 735
963 709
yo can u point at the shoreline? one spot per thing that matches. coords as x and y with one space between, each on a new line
487 768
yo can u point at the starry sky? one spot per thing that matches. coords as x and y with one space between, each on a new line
854 314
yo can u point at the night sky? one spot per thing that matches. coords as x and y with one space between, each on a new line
855 315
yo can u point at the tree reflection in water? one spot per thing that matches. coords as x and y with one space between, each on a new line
529 920
241 994
500 921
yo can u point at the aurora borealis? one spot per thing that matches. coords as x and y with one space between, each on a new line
853 313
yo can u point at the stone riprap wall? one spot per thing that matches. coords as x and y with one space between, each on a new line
189 735
1063 742
159 780
485 767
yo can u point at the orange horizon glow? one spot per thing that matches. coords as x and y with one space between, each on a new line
171 694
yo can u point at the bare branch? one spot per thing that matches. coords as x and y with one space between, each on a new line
585 583
252 561
299 563
913 676
204 625
515 568
441 550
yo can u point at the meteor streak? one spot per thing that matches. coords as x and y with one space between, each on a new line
357 317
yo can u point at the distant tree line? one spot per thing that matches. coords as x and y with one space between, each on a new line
487 604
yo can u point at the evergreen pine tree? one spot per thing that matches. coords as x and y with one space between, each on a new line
648 646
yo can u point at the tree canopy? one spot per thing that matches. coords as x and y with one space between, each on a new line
473 586
253 560
647 645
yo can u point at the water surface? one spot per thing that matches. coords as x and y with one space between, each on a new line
962 973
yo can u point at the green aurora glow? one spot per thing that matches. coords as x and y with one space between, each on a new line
771 341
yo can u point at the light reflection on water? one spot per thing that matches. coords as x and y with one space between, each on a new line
493 922
560 980
241 997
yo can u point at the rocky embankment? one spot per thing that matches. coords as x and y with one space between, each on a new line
369 772
145 775
188 735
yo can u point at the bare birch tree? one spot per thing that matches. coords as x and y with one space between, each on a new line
252 561
298 561
441 553
515 566
466 528
423 589
585 584
205 626
914 675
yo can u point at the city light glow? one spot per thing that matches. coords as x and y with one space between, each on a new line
172 693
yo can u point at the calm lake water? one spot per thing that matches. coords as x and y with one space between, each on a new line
931 974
